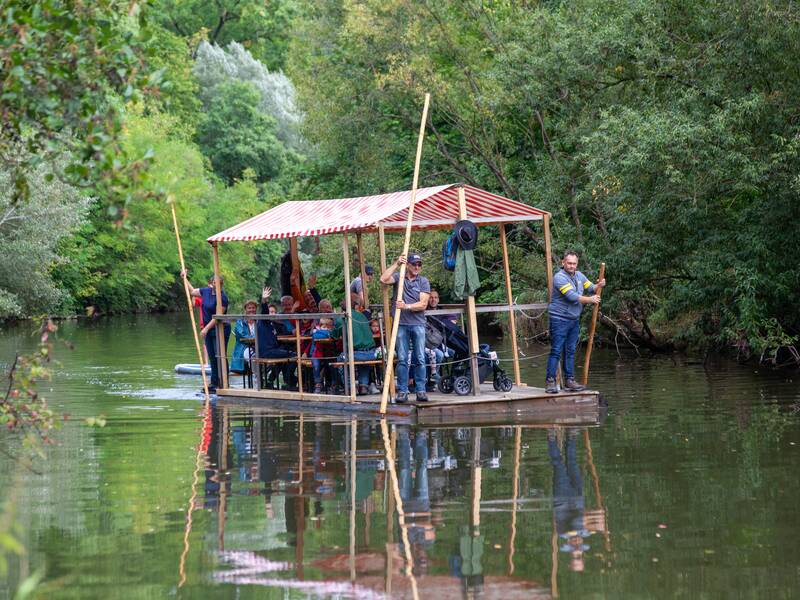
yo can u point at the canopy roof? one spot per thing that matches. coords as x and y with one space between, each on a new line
435 207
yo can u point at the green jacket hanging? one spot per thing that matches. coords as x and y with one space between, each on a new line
466 279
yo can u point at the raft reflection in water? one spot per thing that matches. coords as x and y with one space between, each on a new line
458 516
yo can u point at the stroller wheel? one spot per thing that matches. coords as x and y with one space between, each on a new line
445 385
462 385
506 384
497 384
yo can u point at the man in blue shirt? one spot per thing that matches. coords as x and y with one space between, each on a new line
411 331
569 287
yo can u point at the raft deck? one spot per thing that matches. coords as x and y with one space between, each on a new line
522 404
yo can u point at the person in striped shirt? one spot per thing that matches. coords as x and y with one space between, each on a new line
570 289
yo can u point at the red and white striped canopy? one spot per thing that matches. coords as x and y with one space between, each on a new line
435 207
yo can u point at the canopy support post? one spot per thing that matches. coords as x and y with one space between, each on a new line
219 326
512 321
349 310
472 316
548 256
387 316
362 266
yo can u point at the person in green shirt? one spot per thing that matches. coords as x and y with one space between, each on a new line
363 344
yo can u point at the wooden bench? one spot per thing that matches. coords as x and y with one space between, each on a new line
270 362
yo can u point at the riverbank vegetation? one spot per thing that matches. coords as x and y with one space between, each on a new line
663 138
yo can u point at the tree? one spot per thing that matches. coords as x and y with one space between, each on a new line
30 233
658 136
237 136
66 66
264 28
216 66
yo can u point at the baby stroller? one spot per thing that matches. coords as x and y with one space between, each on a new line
459 376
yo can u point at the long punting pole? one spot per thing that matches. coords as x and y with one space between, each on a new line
189 509
592 328
396 323
512 321
189 303
219 326
351 368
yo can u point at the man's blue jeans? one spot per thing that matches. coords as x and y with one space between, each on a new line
563 340
362 371
411 337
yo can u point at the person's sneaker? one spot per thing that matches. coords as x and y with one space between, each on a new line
550 385
401 397
317 388
573 386
374 389
362 390
422 397
211 390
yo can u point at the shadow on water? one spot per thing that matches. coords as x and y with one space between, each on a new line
688 488
335 520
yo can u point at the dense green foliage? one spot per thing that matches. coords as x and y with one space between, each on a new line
661 136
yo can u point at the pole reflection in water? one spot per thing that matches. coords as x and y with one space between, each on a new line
466 510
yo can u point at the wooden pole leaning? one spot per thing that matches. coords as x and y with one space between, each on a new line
351 368
406 243
472 316
387 317
200 357
593 328
512 321
189 303
219 326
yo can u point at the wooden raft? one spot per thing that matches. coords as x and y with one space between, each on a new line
520 405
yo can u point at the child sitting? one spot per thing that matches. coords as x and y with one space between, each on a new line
320 351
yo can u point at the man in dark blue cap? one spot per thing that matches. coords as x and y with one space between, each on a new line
411 330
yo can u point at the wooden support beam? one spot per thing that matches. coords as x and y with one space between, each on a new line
548 257
362 265
222 351
512 321
349 310
472 317
387 315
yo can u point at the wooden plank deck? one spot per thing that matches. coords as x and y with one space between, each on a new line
520 405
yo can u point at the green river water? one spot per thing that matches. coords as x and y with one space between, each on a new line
688 488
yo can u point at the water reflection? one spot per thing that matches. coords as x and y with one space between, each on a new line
353 508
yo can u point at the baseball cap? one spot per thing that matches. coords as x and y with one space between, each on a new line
414 257
369 270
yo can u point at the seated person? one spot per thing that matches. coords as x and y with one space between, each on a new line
244 328
433 304
288 307
435 349
320 351
270 347
363 347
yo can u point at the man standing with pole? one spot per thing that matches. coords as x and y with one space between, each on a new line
411 331
569 287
